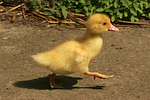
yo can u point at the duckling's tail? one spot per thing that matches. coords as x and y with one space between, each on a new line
41 59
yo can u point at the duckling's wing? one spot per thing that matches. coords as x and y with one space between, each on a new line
81 59
71 57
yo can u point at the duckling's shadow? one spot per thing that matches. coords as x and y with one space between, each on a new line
43 83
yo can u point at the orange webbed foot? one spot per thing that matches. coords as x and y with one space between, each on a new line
98 75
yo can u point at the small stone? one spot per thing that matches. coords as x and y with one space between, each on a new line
5 38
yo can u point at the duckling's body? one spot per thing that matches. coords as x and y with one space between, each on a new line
75 56
71 56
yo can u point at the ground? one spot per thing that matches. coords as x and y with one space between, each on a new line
125 54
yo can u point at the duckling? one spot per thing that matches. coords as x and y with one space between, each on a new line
75 55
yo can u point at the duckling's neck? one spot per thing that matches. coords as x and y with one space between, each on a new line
89 35
92 43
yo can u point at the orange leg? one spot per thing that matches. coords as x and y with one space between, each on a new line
52 81
95 74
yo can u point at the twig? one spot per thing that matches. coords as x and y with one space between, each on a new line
66 22
53 22
23 11
79 20
13 18
1 2
31 14
39 15
52 10
74 14
140 23
42 13
62 22
13 8
52 17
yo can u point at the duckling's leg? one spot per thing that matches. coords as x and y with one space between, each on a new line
52 81
95 74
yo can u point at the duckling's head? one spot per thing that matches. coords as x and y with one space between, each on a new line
99 23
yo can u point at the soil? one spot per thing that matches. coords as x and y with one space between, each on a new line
125 54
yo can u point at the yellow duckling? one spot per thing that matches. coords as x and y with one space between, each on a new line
74 56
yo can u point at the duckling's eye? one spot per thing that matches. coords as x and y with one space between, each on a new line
104 23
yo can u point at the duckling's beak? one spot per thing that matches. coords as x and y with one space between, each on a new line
113 28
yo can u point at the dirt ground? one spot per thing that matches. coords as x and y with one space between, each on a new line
125 54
